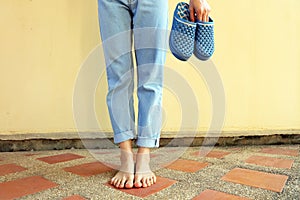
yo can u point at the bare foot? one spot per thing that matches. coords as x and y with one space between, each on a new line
124 178
144 177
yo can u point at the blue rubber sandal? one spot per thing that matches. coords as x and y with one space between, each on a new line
182 37
204 40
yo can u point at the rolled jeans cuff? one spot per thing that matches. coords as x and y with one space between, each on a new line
123 136
147 142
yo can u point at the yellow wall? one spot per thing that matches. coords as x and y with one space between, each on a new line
44 43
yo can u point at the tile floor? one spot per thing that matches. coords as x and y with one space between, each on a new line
251 172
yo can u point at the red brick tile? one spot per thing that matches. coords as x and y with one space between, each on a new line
281 151
212 154
88 169
187 165
215 195
111 165
161 183
60 158
75 197
25 186
258 179
270 162
10 168
154 155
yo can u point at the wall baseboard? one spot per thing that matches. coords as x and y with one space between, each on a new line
94 140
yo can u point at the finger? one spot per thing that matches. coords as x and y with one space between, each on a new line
192 14
207 14
199 15
205 17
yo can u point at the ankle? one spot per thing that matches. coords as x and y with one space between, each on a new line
126 146
126 157
143 150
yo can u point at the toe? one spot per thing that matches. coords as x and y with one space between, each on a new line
137 182
154 179
117 183
144 181
151 181
129 183
122 182
148 181
112 181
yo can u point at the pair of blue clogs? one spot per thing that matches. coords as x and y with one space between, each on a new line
189 37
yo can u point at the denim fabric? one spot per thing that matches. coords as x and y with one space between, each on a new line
122 24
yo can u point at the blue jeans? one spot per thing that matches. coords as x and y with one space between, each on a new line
144 24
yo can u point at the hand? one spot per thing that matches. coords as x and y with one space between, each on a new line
201 8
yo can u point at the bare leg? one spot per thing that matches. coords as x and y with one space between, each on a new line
144 177
124 178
